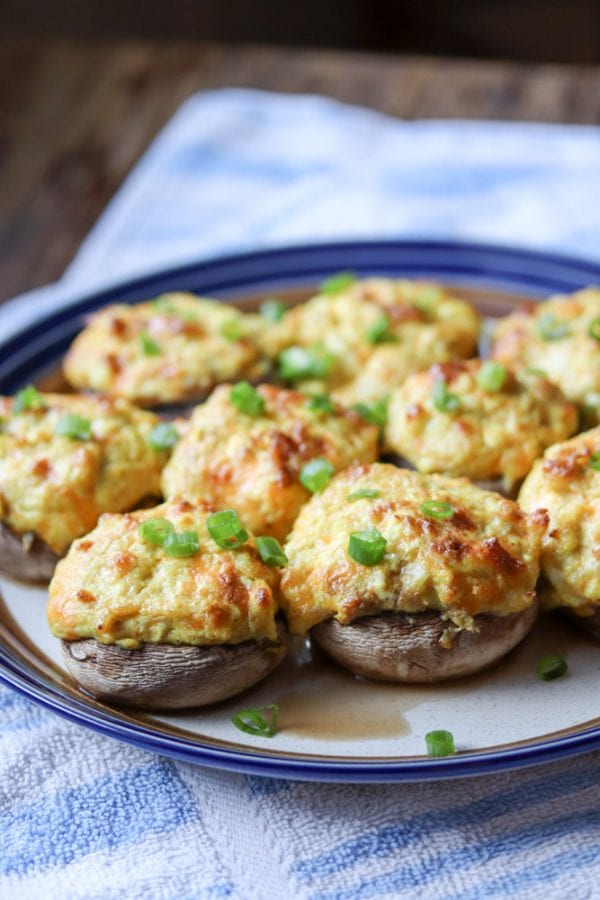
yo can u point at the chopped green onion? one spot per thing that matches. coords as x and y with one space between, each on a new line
550 329
443 399
379 332
369 493
149 345
437 509
232 330
337 283
226 530
155 531
594 461
374 413
440 743
247 399
531 370
254 721
320 403
271 551
492 376
75 427
301 363
551 667
367 547
316 474
426 298
273 310
594 328
183 543
163 436
28 398
163 304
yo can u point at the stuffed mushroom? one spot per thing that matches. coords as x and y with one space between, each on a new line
561 337
566 483
170 607
264 450
405 577
477 419
165 351
64 460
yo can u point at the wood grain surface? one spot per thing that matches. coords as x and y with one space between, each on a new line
75 116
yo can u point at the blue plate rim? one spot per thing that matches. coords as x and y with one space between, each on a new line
573 271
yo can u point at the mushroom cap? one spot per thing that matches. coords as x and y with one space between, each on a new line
407 647
164 676
26 557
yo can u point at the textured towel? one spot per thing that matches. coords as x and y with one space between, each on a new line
84 816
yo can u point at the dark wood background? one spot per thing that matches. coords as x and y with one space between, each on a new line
75 115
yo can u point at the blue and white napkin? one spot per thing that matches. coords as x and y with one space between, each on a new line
82 816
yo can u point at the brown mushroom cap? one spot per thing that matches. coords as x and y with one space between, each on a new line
165 676
589 624
406 647
26 557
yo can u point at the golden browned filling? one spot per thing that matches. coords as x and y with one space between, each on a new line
249 448
65 459
566 483
120 585
382 539
478 419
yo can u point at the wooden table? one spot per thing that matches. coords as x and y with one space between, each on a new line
75 116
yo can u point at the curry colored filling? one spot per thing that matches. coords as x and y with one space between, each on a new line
118 586
470 552
66 459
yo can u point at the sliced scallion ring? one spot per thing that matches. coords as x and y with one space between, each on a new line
155 531
226 530
551 667
374 413
149 345
443 399
260 721
594 328
320 403
492 376
272 310
302 363
594 461
78 428
437 509
182 543
549 328
366 492
440 743
367 547
247 399
232 330
163 436
379 332
337 283
316 474
28 398
271 551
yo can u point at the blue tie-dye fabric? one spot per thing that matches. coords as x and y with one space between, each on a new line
85 817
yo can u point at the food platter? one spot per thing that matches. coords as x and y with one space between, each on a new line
332 726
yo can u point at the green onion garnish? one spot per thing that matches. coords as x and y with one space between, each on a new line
550 329
163 436
301 363
551 667
247 399
75 427
369 493
149 345
443 399
426 298
273 310
532 370
492 376
232 330
163 304
437 509
316 474
440 743
367 547
379 332
155 531
594 328
374 413
255 722
183 543
28 398
594 461
271 551
337 283
226 530
320 403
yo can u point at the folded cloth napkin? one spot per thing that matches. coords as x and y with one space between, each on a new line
82 816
